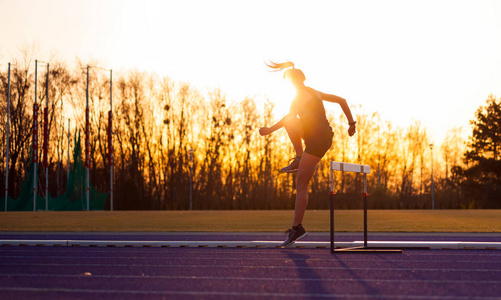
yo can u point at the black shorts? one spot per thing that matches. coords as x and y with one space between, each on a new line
318 144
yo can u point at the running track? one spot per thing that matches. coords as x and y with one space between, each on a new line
230 273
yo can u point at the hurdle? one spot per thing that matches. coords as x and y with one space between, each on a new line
361 169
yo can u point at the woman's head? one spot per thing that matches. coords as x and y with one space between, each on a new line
293 74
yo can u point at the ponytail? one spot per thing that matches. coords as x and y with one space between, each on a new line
280 66
293 73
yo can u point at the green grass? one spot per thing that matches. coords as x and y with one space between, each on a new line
256 220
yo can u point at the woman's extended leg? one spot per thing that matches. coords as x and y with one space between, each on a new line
306 169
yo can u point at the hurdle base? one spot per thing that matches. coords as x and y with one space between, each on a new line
365 250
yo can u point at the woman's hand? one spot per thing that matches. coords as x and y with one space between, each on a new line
265 130
352 129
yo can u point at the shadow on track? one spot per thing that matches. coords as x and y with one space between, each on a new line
312 282
369 290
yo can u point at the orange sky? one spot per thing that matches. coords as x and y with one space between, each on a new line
434 61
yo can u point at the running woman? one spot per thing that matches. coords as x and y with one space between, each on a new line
306 121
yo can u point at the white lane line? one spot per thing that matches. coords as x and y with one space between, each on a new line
255 244
247 267
238 294
283 258
226 250
253 278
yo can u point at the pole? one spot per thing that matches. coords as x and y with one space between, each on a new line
46 142
379 157
87 145
68 156
111 162
35 142
7 146
191 178
432 187
59 163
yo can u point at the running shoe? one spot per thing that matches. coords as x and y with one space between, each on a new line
294 234
293 166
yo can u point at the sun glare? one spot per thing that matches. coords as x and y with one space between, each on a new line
283 95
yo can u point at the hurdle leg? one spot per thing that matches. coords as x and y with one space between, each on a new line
331 198
365 210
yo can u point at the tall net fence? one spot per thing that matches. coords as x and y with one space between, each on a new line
73 199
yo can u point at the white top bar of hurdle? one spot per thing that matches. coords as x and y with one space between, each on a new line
347 167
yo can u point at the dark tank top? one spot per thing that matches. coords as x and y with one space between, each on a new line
312 116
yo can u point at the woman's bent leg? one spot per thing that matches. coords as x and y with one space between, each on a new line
295 133
306 169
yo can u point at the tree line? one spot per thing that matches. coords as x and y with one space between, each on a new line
158 120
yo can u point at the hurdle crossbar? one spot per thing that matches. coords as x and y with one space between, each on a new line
356 168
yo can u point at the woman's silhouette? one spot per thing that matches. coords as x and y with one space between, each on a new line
306 121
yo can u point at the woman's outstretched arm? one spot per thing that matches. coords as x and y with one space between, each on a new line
292 114
346 109
278 125
269 130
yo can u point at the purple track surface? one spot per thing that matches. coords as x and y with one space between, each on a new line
230 273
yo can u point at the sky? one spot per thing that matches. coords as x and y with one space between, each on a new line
431 61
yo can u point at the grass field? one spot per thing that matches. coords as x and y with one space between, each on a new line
257 220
